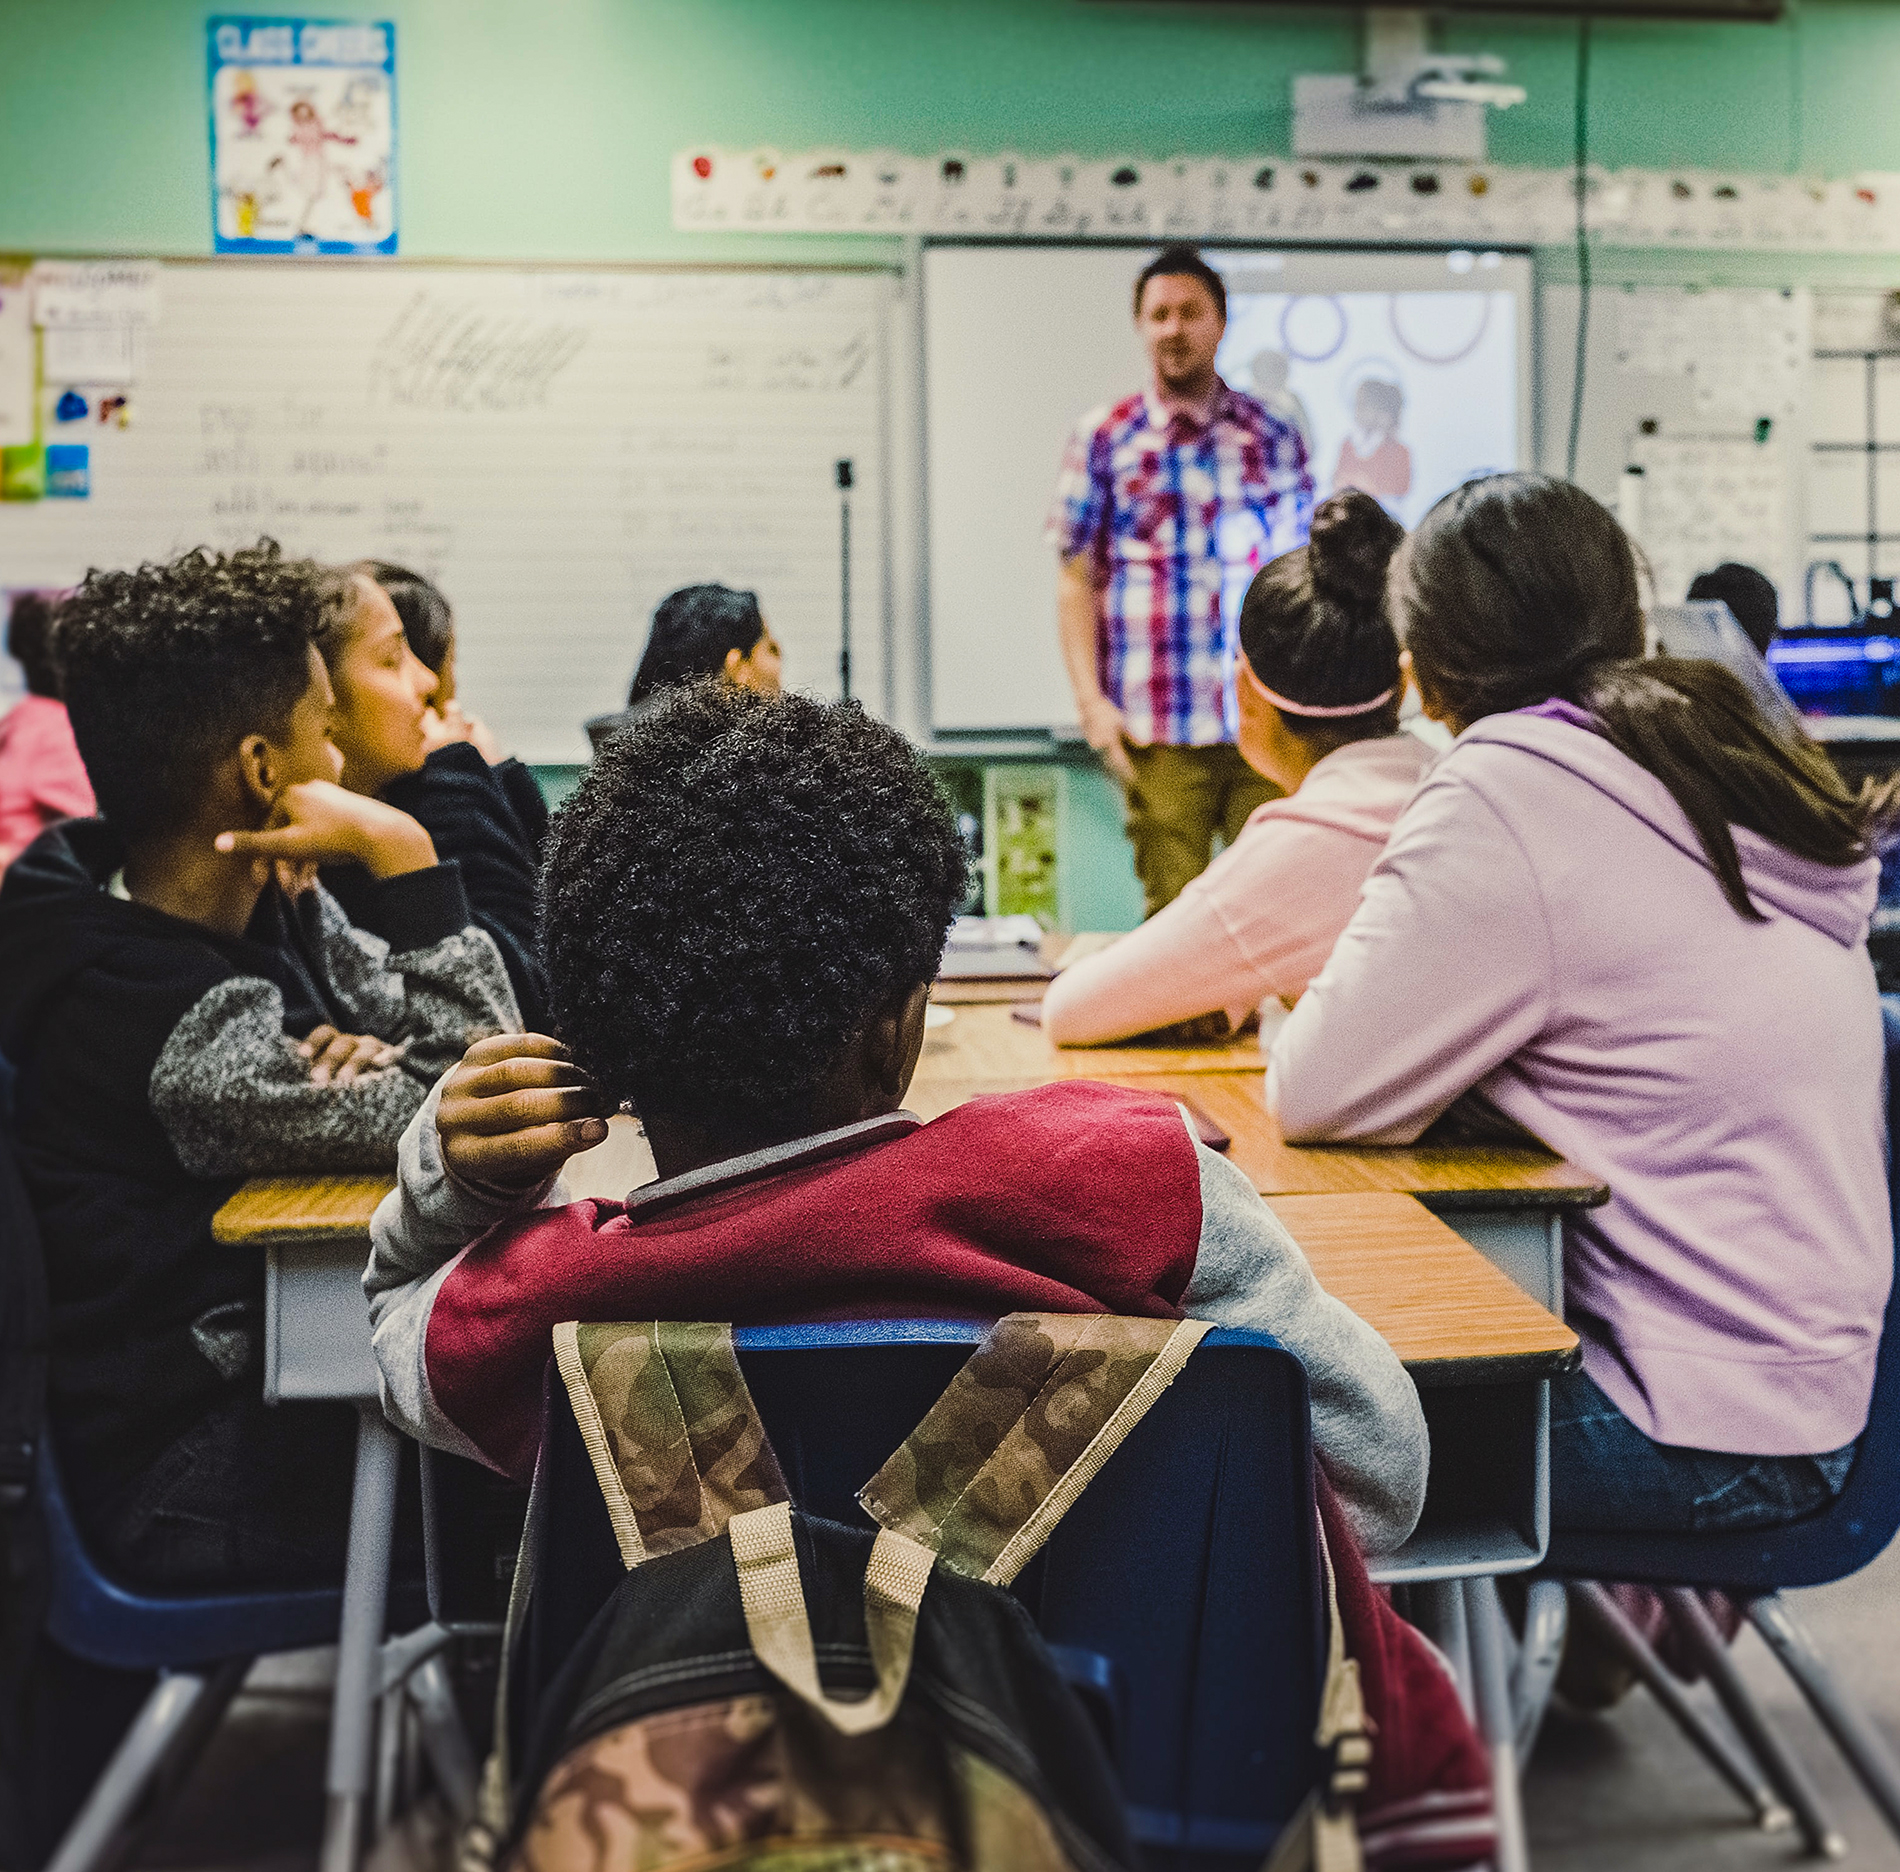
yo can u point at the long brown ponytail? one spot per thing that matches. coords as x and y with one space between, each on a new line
1520 588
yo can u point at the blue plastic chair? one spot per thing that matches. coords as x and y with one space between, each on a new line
1181 1593
1757 1565
201 1644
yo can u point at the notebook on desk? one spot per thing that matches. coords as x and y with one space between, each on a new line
994 949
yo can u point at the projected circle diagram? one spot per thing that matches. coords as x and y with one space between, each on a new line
1313 327
1441 327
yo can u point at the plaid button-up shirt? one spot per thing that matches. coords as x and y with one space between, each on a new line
1176 516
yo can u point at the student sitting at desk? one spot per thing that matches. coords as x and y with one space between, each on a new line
699 630
428 626
1318 686
42 778
395 750
1632 917
748 898
180 1022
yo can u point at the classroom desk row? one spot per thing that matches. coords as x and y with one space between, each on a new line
1449 1252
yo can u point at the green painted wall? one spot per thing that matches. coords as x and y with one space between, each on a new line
543 130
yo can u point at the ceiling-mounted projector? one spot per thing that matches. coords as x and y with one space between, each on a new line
1405 101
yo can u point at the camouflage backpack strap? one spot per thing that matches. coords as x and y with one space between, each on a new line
675 1439
1025 1426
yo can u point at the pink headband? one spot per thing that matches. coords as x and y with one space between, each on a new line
1307 708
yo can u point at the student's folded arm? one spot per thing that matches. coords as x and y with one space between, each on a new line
418 969
1368 1427
1443 973
416 1235
236 1099
1180 963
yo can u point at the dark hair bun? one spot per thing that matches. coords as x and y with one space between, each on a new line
1351 545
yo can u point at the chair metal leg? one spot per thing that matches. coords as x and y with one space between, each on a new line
1791 1779
163 1742
1866 1751
1546 1620
1491 1695
359 1640
1439 1610
444 1738
1596 1609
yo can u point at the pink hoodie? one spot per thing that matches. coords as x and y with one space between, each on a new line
1260 920
1544 927
41 775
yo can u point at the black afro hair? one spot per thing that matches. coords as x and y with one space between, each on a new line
739 884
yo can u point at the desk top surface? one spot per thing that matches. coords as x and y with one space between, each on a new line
1450 1315
1477 1176
988 1042
1447 1312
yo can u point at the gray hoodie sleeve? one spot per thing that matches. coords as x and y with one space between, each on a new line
416 1236
1368 1427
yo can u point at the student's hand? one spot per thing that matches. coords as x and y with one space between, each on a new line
449 723
339 1057
319 822
1106 729
515 1110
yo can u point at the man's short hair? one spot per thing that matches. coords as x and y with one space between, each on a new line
169 667
738 885
1749 595
1182 259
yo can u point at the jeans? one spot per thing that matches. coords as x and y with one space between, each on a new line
1607 1477
253 1494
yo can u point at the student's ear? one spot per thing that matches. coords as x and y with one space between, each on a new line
733 669
896 1039
257 767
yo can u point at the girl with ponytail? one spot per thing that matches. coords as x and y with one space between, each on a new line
1318 686
1631 916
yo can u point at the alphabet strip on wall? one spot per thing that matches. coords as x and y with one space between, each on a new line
1273 198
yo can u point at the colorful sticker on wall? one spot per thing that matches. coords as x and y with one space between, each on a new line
22 472
303 136
68 471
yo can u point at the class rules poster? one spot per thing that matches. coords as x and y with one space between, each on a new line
303 136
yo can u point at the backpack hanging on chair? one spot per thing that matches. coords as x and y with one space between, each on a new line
766 1688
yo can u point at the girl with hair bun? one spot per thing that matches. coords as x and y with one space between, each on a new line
1319 687
1630 915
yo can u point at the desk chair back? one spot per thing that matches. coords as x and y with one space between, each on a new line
1181 1592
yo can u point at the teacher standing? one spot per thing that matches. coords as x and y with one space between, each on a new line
1163 498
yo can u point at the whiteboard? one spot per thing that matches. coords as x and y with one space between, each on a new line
1708 391
557 449
1019 341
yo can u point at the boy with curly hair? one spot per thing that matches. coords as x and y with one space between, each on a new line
185 1009
745 904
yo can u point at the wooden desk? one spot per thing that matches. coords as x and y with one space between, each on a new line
988 1044
1442 1307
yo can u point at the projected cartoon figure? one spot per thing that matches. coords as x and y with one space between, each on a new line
1269 372
1372 458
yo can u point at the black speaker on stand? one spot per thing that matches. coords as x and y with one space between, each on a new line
844 577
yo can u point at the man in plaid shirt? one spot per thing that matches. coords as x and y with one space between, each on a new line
1167 503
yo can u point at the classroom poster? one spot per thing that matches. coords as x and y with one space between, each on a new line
303 136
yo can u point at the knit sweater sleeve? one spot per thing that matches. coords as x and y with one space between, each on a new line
234 1094
1368 1426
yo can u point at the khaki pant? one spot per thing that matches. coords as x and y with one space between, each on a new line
1181 797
